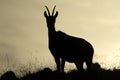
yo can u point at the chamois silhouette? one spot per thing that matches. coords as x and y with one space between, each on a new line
65 47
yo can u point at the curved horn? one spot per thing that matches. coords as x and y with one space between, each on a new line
53 10
48 10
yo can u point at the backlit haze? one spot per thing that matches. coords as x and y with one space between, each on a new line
24 36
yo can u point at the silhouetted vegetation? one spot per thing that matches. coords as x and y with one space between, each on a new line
8 76
96 73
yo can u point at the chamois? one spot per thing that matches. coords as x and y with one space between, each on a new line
65 47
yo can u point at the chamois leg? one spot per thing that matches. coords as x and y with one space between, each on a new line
57 61
79 65
89 64
62 65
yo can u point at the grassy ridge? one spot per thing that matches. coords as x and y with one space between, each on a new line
96 73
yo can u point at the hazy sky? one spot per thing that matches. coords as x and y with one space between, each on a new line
23 31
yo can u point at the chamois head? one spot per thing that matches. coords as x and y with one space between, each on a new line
50 19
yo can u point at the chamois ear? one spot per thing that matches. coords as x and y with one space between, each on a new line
45 14
56 14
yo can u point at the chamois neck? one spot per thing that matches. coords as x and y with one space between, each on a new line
51 29
51 33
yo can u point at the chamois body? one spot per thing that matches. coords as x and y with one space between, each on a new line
67 48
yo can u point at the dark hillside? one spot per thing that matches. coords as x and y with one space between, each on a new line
96 73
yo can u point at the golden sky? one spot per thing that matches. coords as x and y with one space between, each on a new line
23 30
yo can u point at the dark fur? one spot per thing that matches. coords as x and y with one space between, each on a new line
67 48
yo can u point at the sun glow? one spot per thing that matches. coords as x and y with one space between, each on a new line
108 61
